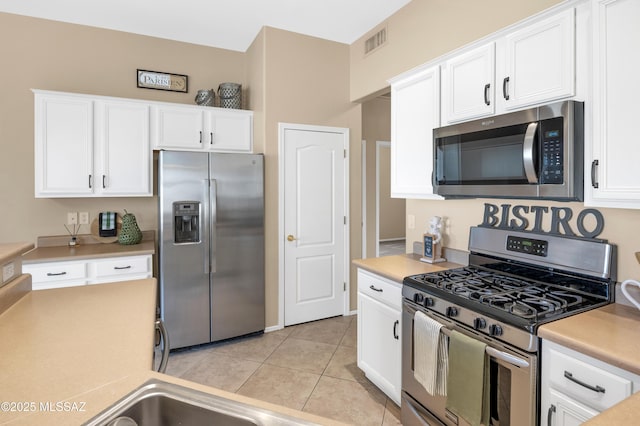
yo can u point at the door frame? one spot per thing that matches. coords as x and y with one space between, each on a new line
281 166
379 146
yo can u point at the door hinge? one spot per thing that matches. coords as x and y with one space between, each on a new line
345 220
345 153
344 287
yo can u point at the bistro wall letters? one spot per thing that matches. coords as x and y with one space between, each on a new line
517 219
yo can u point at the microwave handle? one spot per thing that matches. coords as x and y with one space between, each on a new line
527 153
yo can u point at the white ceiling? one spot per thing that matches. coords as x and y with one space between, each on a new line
227 24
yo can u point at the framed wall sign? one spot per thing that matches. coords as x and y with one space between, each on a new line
162 81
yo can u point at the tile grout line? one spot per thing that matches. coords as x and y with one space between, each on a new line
262 363
326 366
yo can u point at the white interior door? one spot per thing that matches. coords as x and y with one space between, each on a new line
314 228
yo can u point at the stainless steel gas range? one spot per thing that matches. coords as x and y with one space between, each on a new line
515 282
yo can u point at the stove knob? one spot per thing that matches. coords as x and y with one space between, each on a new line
428 301
452 311
479 323
418 298
495 330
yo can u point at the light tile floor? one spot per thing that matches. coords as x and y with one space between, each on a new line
389 248
310 367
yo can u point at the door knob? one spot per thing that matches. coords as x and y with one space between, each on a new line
290 238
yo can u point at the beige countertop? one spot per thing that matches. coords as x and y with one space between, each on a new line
610 334
401 265
86 251
85 348
9 251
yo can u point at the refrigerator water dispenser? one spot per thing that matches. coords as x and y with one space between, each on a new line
186 222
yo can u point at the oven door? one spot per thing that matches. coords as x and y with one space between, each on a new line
513 381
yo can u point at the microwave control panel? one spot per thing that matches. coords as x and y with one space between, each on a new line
552 151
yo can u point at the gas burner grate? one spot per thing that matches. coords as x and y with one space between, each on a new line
522 297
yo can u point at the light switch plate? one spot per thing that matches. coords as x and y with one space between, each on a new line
411 221
72 218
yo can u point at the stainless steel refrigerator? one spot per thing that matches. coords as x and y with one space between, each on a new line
211 245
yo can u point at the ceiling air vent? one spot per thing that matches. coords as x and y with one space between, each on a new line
375 41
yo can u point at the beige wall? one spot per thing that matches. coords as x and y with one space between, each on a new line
391 210
621 225
426 29
50 55
306 81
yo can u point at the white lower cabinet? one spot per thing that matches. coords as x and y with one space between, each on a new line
576 387
379 332
564 411
73 273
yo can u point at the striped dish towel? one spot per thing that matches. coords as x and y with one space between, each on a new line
108 224
430 354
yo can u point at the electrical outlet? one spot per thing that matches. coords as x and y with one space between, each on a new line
72 218
84 218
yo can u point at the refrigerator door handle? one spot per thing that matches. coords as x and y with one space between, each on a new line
213 224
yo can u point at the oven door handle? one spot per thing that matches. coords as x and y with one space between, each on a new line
418 415
508 358
528 154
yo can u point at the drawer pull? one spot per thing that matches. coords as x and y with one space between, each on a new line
596 388
55 274
379 290
122 267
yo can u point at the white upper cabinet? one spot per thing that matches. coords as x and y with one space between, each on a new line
530 65
415 112
63 146
87 146
124 160
178 127
539 62
468 85
612 155
193 128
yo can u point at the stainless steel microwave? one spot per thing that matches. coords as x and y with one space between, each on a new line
532 154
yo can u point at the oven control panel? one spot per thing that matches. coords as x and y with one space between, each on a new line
527 245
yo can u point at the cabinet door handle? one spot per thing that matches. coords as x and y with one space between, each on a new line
379 290
595 388
89 181
200 136
486 94
594 166
505 83
55 274
211 138
552 409
122 267
103 184
395 330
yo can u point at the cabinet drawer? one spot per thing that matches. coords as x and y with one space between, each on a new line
379 288
587 383
56 271
129 265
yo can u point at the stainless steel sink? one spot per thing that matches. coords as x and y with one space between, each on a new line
161 403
